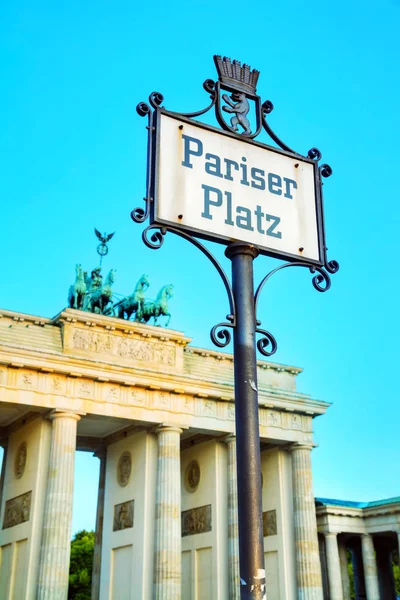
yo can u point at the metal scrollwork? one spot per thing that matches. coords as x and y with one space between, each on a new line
156 239
221 337
267 344
322 278
332 266
314 154
325 170
156 99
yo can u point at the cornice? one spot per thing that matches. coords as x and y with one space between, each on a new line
70 315
229 357
20 317
362 513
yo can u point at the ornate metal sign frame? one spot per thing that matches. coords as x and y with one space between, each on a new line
235 79
153 175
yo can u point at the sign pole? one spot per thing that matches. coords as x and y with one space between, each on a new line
222 185
251 540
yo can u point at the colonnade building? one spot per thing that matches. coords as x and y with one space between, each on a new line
159 415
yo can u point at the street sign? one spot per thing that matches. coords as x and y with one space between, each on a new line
218 186
223 185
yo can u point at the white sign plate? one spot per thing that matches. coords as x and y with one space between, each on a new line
223 188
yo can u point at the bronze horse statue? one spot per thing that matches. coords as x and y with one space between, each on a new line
134 302
159 306
77 291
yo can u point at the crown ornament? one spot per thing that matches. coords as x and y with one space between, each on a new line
235 75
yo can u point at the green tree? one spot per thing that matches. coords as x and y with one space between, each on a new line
396 571
80 568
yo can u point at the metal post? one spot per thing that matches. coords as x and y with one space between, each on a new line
251 541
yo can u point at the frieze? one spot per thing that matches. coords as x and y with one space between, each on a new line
125 348
269 523
17 510
123 515
196 520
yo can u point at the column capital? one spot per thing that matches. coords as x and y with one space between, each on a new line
170 427
330 534
302 446
65 414
228 439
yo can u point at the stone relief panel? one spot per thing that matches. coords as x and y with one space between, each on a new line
187 404
57 384
295 422
17 510
125 348
124 469
110 393
160 400
27 379
192 476
269 523
123 515
85 388
20 460
273 418
209 408
137 397
196 520
3 376
231 411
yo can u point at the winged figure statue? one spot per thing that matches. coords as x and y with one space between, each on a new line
103 238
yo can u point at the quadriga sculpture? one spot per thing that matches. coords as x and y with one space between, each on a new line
134 303
77 291
159 306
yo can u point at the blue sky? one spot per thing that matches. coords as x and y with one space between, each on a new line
73 154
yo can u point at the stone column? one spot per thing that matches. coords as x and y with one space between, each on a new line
333 562
56 534
3 472
102 455
167 559
233 523
358 570
308 567
387 587
344 569
370 569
